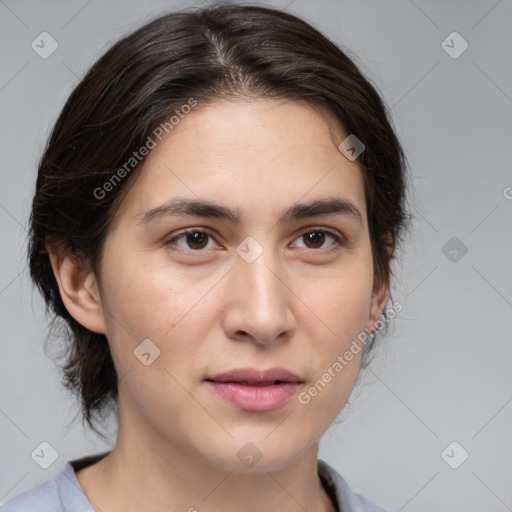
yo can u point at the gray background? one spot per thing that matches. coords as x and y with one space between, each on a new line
443 374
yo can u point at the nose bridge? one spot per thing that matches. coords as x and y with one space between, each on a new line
263 286
260 305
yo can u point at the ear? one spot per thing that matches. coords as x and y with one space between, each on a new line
381 294
79 290
378 303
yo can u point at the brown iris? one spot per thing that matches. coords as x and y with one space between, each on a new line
315 237
197 240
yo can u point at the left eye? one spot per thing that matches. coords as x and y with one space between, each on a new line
317 238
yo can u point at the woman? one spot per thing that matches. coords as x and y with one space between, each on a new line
215 217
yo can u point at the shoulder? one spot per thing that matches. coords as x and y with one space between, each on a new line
43 498
60 494
347 499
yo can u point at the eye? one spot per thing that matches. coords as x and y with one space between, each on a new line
197 239
194 239
315 238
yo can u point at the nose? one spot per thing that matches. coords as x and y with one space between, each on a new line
260 302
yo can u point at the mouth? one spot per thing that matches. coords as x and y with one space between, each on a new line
251 383
255 390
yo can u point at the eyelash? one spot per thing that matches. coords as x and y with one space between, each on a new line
339 241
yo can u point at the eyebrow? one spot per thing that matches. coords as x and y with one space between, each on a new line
202 208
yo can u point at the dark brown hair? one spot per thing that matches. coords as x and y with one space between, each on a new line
222 52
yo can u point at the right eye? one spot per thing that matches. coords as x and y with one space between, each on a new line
195 239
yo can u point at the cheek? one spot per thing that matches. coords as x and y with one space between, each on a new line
158 305
340 301
150 301
338 311
143 296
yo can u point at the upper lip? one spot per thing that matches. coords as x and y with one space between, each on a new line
253 375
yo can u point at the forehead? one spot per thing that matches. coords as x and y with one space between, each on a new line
250 152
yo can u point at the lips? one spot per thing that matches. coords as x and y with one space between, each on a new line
254 377
255 390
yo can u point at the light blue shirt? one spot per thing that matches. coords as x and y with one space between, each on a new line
64 494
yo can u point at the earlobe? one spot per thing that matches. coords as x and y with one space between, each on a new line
79 290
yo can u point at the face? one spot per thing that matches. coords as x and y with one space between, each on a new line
248 287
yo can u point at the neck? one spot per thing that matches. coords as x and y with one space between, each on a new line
153 474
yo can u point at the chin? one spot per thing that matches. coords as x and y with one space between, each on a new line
257 453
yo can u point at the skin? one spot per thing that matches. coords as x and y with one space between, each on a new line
299 305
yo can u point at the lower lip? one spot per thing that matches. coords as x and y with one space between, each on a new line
255 398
